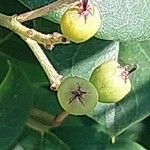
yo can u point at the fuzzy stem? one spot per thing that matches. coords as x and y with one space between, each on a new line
43 10
47 40
11 23
5 20
54 78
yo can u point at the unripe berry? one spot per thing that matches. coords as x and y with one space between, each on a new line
111 81
77 96
80 22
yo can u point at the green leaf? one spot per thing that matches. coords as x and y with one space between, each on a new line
15 103
115 118
145 135
32 140
15 49
124 145
33 4
3 68
121 19
67 137
74 138
134 132
16 7
87 138
82 137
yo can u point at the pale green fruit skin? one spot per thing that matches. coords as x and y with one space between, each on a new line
90 99
109 83
74 26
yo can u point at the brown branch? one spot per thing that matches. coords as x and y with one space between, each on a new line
43 10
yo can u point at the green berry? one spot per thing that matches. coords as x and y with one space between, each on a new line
77 96
80 22
111 81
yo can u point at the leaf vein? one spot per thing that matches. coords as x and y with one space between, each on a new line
144 53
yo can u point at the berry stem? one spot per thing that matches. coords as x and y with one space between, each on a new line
77 95
59 118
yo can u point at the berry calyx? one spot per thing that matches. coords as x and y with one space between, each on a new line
77 94
80 22
84 8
